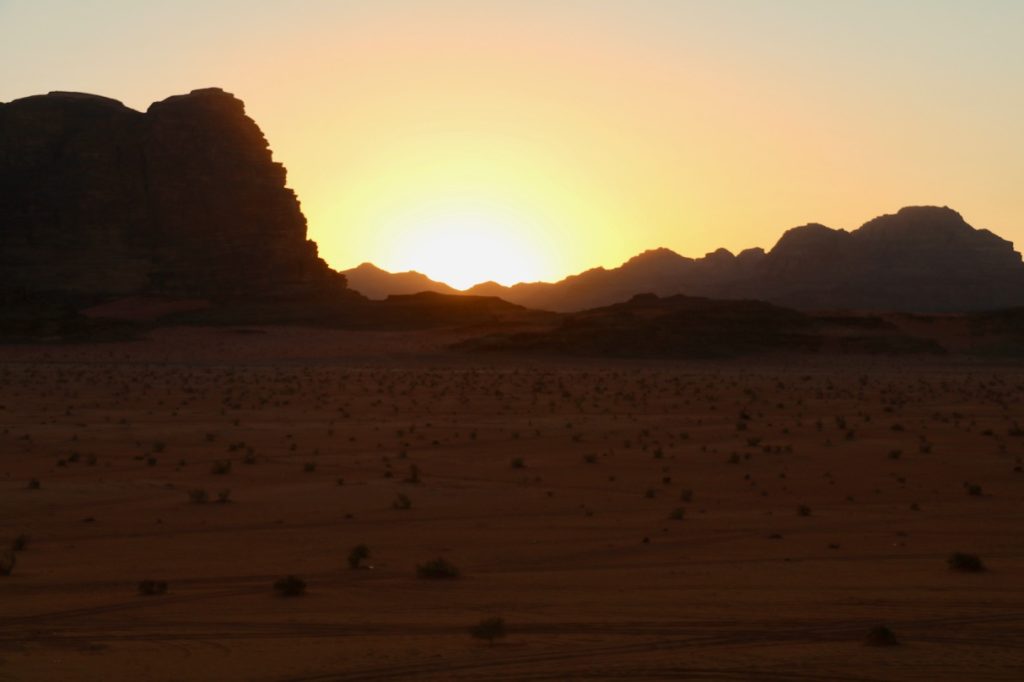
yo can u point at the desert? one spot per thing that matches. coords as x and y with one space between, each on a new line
747 519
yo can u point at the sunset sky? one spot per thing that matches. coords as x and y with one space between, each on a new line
530 139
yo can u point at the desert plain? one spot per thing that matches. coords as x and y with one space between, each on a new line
749 519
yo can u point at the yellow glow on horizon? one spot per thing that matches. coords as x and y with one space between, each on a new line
464 245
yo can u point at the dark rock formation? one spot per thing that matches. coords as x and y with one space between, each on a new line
98 200
921 259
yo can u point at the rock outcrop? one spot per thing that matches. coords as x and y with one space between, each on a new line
99 200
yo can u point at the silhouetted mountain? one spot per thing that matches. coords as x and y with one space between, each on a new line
99 200
924 259
921 259
372 282
683 326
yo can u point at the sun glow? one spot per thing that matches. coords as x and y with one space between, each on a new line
463 245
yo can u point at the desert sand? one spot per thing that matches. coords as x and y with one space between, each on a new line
743 520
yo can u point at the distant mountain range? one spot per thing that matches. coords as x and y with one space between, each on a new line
920 259
375 283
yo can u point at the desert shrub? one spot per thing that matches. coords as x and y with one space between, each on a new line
490 629
19 543
198 496
224 496
401 502
414 474
518 463
290 586
437 569
880 635
677 514
590 458
803 510
7 562
685 495
973 489
309 467
34 484
221 467
357 555
966 563
149 588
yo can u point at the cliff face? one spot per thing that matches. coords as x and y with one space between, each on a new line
184 199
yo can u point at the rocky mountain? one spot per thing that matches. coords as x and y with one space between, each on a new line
374 283
921 259
99 200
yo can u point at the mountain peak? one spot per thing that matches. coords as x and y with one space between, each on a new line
373 282
918 221
659 255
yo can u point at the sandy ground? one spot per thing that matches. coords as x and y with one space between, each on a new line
552 486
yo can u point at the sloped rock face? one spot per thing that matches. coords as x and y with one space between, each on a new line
183 200
920 259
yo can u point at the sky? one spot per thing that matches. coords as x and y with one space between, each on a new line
522 140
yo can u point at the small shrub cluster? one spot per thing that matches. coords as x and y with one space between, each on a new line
881 635
149 588
437 569
358 554
7 562
965 563
489 629
290 586
221 467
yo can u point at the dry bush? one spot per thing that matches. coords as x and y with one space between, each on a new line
965 563
149 588
437 569
489 629
290 586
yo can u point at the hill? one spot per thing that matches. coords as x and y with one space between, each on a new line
688 327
